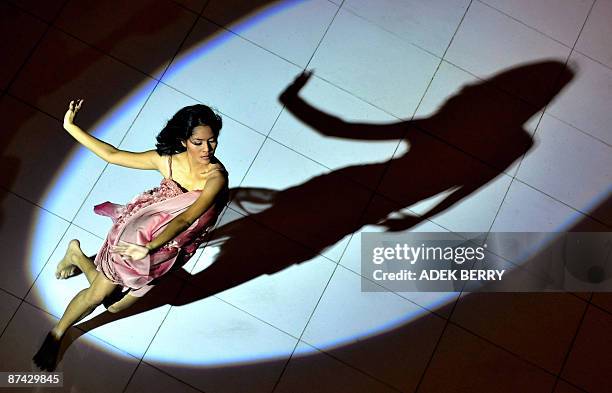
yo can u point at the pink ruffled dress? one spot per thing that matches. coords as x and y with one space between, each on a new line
141 220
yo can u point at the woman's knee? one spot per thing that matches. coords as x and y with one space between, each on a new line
93 297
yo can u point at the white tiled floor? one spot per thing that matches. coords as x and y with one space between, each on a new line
285 311
374 64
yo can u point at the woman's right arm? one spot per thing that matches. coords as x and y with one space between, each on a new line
109 153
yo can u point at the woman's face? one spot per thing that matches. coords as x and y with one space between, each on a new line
201 144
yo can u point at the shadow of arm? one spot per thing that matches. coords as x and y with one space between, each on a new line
408 221
333 126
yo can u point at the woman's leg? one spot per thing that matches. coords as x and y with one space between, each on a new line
74 262
84 303
79 307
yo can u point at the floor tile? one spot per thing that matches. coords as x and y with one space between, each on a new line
39 85
352 258
603 300
284 295
100 80
563 153
586 101
118 28
528 210
564 387
317 371
592 41
149 379
430 24
374 64
88 364
489 42
586 365
219 64
25 31
193 5
367 330
46 10
561 20
262 273
29 235
41 159
219 348
538 327
303 24
466 363
336 129
307 203
285 257
8 306
285 299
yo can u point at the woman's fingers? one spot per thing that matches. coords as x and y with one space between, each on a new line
75 105
118 248
121 247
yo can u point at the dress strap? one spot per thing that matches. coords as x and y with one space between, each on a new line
170 166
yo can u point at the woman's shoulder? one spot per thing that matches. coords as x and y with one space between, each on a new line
217 166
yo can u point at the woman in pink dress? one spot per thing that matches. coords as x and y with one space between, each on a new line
158 228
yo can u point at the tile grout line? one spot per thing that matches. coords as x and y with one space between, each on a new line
543 111
374 193
328 81
514 176
571 346
331 83
282 373
49 26
178 50
5 93
141 359
264 141
319 349
456 302
484 3
469 72
70 222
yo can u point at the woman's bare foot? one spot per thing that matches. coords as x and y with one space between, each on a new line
67 267
46 357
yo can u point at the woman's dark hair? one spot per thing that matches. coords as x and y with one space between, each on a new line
180 127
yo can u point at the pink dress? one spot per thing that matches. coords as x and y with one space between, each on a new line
142 220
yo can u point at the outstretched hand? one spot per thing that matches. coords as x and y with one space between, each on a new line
73 108
297 85
131 250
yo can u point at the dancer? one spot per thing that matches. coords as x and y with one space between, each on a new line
157 229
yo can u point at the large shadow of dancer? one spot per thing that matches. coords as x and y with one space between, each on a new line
488 135
472 139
